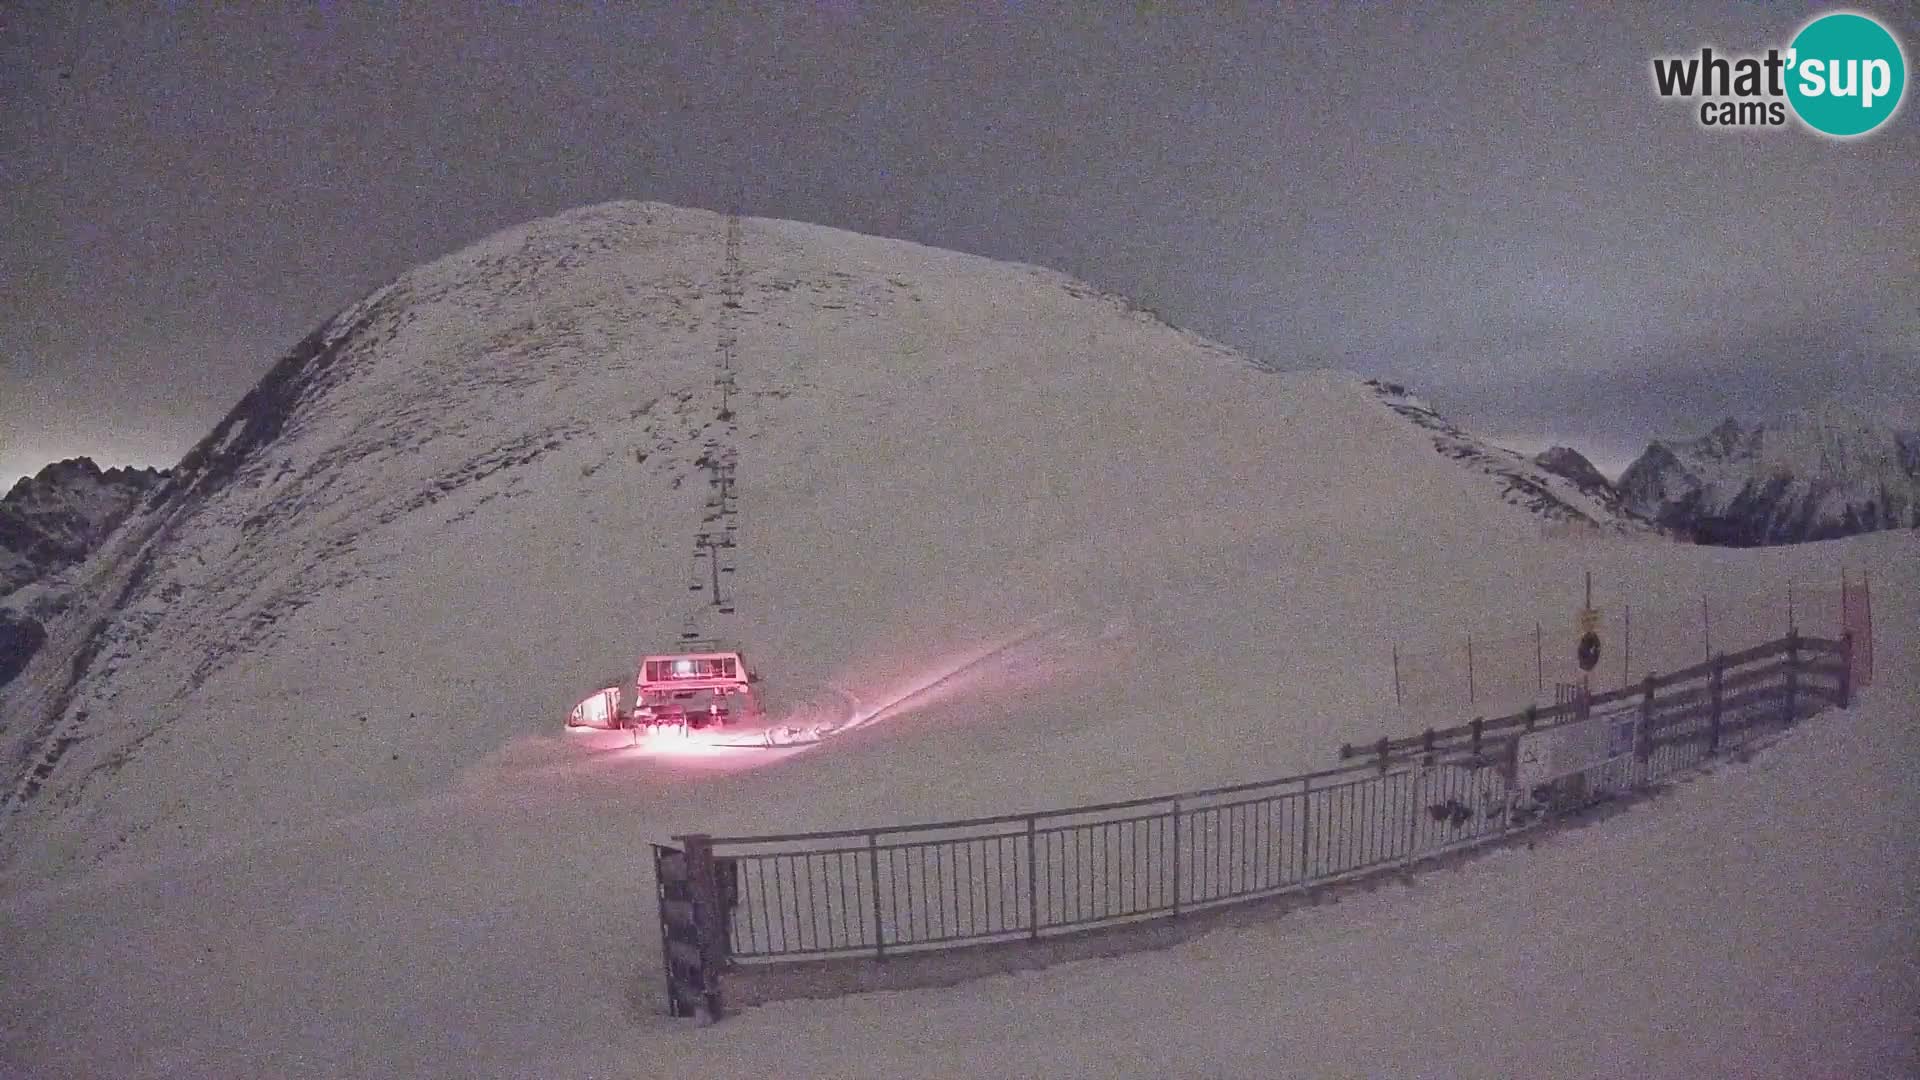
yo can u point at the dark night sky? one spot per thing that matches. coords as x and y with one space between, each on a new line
1490 205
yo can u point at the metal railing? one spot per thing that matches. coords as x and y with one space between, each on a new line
913 888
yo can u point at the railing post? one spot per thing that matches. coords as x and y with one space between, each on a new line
1033 877
1384 747
1644 751
1793 674
1306 830
1176 857
1713 719
1413 819
873 874
704 890
1478 728
1846 668
1510 771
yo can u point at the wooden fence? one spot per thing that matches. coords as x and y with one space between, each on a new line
863 895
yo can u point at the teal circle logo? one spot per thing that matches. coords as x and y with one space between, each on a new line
1846 74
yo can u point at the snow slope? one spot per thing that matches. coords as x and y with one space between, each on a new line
308 789
1759 922
1547 484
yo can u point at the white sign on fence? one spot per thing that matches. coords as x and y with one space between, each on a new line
1535 760
1571 748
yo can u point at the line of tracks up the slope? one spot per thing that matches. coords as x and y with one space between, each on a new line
715 557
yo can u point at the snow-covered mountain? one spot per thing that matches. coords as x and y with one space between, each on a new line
1811 475
1572 464
1551 485
50 522
290 761
518 453
55 518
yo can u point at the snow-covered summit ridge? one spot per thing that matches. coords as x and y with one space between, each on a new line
1550 485
1811 474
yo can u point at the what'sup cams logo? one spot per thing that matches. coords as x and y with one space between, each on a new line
1843 75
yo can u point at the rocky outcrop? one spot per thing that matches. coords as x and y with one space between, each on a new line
54 519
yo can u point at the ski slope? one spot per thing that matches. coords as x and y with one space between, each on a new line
1759 922
309 810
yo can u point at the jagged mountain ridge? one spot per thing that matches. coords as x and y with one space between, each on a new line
1813 474
1549 486
50 523
55 518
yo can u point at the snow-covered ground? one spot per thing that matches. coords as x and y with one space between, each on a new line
316 817
1762 921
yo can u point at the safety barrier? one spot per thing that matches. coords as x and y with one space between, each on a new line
867 895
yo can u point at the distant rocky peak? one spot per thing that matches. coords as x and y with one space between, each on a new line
1726 439
56 517
1810 474
81 473
1572 464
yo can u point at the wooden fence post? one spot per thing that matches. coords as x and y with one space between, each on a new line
1713 721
